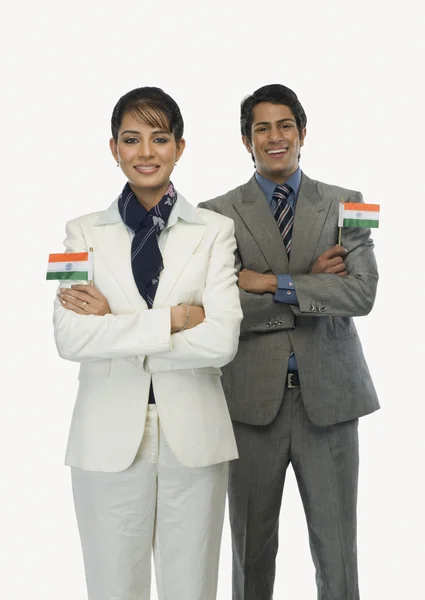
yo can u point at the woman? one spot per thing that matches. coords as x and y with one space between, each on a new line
150 435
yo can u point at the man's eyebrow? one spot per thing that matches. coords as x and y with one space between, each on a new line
280 121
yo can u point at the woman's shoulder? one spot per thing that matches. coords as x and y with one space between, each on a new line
209 216
98 217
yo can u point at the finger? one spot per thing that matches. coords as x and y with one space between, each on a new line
343 274
336 268
87 289
73 307
334 251
73 301
76 294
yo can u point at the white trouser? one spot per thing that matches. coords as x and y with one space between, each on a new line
159 503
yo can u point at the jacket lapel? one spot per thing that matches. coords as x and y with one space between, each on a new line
255 212
181 243
113 242
310 216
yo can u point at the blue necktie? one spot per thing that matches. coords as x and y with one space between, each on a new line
284 214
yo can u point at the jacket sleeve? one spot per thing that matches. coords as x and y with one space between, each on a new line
325 294
214 342
88 337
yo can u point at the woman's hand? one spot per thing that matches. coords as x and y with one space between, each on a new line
84 300
179 316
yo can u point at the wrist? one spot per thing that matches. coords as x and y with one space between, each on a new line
270 283
178 317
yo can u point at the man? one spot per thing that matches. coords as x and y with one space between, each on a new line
299 381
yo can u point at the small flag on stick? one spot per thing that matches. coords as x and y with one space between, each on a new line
352 214
71 265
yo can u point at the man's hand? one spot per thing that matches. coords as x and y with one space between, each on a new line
84 300
257 283
331 261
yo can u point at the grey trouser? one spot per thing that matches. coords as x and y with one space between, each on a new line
325 462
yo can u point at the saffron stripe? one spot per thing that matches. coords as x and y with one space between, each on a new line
360 206
68 257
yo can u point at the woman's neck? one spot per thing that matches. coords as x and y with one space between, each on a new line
149 198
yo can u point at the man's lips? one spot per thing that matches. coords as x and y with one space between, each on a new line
277 152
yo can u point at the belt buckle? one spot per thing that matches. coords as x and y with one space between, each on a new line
290 377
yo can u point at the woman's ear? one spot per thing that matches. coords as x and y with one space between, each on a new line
113 147
181 145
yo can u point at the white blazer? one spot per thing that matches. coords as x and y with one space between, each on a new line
120 353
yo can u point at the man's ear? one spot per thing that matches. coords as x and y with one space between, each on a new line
246 142
302 137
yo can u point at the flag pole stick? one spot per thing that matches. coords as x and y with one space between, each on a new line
91 267
341 201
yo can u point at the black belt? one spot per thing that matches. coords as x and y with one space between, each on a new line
293 379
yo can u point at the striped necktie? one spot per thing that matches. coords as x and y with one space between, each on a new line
284 214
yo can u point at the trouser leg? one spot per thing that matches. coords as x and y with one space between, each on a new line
255 495
325 461
188 528
115 514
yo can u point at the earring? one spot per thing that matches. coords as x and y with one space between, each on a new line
118 164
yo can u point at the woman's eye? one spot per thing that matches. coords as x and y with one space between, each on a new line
160 140
131 141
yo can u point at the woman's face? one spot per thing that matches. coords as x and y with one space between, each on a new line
146 155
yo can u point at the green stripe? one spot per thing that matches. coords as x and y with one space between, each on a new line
68 275
361 223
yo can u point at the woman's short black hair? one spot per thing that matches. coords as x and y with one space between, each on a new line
276 94
152 106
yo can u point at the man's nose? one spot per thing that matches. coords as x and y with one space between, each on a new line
275 134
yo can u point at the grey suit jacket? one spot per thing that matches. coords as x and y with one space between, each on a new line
335 381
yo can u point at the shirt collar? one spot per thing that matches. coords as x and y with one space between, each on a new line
268 187
181 210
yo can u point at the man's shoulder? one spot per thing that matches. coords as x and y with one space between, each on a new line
327 190
223 204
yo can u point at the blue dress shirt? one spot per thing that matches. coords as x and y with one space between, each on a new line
285 286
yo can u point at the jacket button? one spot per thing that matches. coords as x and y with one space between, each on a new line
322 309
269 324
281 322
312 308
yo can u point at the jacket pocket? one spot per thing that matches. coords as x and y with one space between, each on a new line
99 369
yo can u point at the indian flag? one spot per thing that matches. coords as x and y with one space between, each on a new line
352 214
70 265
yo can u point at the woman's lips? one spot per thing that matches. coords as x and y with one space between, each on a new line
146 169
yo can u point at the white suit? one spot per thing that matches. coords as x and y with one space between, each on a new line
119 353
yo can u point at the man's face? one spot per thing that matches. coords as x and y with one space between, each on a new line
276 142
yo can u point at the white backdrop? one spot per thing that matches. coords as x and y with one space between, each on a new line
356 69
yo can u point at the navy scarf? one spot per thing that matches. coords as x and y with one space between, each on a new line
146 258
